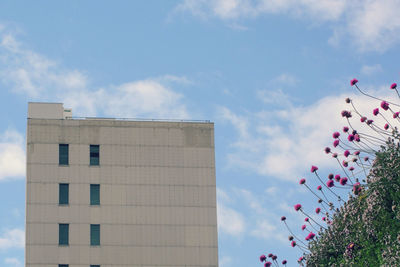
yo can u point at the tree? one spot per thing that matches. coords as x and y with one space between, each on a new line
364 229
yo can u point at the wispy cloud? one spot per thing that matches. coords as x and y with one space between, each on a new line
14 238
258 215
230 221
225 261
284 142
371 25
40 78
371 69
13 262
12 155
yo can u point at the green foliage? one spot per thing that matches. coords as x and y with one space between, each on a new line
365 231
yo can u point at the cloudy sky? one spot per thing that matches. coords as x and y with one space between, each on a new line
271 74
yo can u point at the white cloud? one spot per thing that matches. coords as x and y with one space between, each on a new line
371 69
271 190
12 155
14 238
13 262
284 143
370 24
252 202
225 261
264 229
230 221
239 122
375 24
43 79
33 74
260 222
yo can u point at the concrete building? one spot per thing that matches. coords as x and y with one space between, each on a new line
113 192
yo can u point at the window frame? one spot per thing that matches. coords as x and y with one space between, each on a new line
93 230
94 156
63 160
60 186
94 188
60 226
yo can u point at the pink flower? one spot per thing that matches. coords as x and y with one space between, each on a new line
302 181
300 259
357 188
283 218
346 114
363 119
335 143
345 129
303 227
274 257
385 105
267 264
336 135
284 262
330 183
314 168
334 155
350 138
346 153
357 138
311 235
386 126
324 218
297 207
343 181
345 163
337 177
347 100
330 176
270 255
263 258
306 219
293 243
319 187
366 159
327 150
369 122
317 210
353 82
375 111
351 168
357 152
396 115
393 86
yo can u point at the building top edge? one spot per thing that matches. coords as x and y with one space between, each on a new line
104 119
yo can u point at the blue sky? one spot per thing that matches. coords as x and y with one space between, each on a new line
271 74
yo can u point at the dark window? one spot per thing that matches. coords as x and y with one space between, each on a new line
63 232
94 155
95 234
63 265
63 154
63 198
94 194
94 265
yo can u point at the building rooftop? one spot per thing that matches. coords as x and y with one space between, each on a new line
44 110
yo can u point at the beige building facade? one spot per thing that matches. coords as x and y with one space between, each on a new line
118 193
